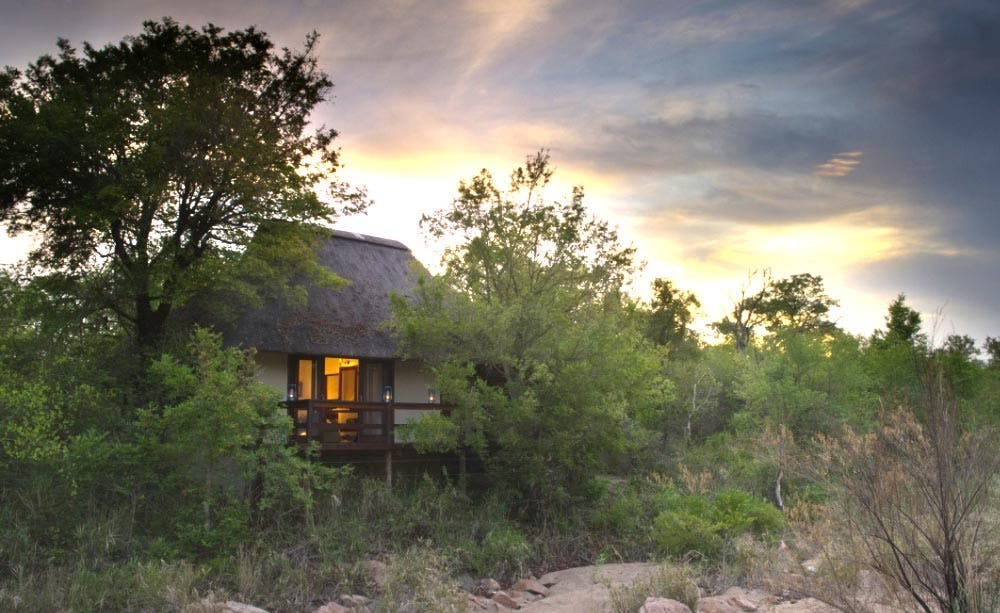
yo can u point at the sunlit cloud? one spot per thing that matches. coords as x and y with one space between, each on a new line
501 24
840 165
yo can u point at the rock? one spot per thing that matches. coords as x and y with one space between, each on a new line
663 605
523 597
806 605
332 607
477 603
733 600
238 607
487 587
531 585
717 604
742 603
354 601
503 598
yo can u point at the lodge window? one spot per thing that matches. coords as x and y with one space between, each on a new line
338 378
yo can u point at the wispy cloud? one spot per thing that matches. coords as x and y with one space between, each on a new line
840 165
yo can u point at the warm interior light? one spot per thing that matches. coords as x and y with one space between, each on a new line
305 380
387 394
347 417
341 378
432 395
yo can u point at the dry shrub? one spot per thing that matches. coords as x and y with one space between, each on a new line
419 579
702 484
676 581
912 505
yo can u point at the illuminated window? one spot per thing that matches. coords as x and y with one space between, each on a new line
305 379
340 378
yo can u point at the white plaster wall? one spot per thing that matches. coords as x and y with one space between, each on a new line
411 382
272 369
405 416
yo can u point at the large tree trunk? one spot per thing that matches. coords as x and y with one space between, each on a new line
150 324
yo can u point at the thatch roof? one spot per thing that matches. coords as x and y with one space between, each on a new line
346 321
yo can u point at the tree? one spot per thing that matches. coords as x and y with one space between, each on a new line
992 348
897 356
902 323
527 332
797 303
146 166
215 453
670 315
748 310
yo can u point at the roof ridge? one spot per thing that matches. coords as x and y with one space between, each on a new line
365 238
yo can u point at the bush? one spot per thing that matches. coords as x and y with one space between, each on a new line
679 533
676 581
504 553
418 579
698 524
737 512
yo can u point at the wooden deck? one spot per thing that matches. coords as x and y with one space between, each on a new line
351 427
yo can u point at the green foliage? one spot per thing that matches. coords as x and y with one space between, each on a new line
147 166
219 449
503 553
798 303
529 338
703 525
131 586
902 323
808 383
670 315
679 533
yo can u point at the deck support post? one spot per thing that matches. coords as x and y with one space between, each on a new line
388 468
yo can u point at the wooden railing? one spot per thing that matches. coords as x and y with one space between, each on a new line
353 425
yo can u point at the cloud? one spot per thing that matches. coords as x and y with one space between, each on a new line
839 165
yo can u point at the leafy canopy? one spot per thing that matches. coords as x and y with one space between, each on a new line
798 303
671 313
148 164
529 337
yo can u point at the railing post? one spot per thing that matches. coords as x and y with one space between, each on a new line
390 423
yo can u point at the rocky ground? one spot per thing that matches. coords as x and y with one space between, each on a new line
580 590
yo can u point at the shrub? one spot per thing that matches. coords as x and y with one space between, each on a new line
504 552
737 512
699 524
418 579
676 581
679 533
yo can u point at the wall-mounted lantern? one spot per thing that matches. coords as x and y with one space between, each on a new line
387 394
293 393
432 395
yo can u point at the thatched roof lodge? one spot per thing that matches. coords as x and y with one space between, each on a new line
344 321
333 359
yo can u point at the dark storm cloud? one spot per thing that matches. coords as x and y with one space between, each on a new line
761 140
961 287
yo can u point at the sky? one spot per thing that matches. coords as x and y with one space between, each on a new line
853 139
